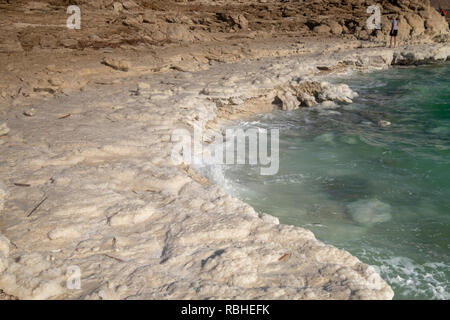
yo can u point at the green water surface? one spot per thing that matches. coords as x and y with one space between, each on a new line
381 193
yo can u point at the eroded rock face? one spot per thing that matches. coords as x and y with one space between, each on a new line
218 32
117 23
435 24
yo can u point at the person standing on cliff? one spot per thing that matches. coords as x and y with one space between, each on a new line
394 32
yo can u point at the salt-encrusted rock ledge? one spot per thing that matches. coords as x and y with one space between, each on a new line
88 182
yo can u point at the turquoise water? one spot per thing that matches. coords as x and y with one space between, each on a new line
381 193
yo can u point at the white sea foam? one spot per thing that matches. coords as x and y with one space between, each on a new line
417 279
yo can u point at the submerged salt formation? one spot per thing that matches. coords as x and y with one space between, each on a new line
369 212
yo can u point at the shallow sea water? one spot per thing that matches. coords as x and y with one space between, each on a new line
381 193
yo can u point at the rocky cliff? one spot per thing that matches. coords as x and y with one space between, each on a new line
110 24
182 35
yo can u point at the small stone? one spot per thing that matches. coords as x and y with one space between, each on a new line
29 112
131 22
121 65
44 89
55 82
149 17
51 68
236 101
288 101
49 42
268 218
384 123
143 86
335 27
3 194
307 100
129 5
38 6
69 43
241 21
117 7
4 130
3 263
322 29
4 245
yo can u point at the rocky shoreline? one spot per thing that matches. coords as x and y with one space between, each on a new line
88 182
